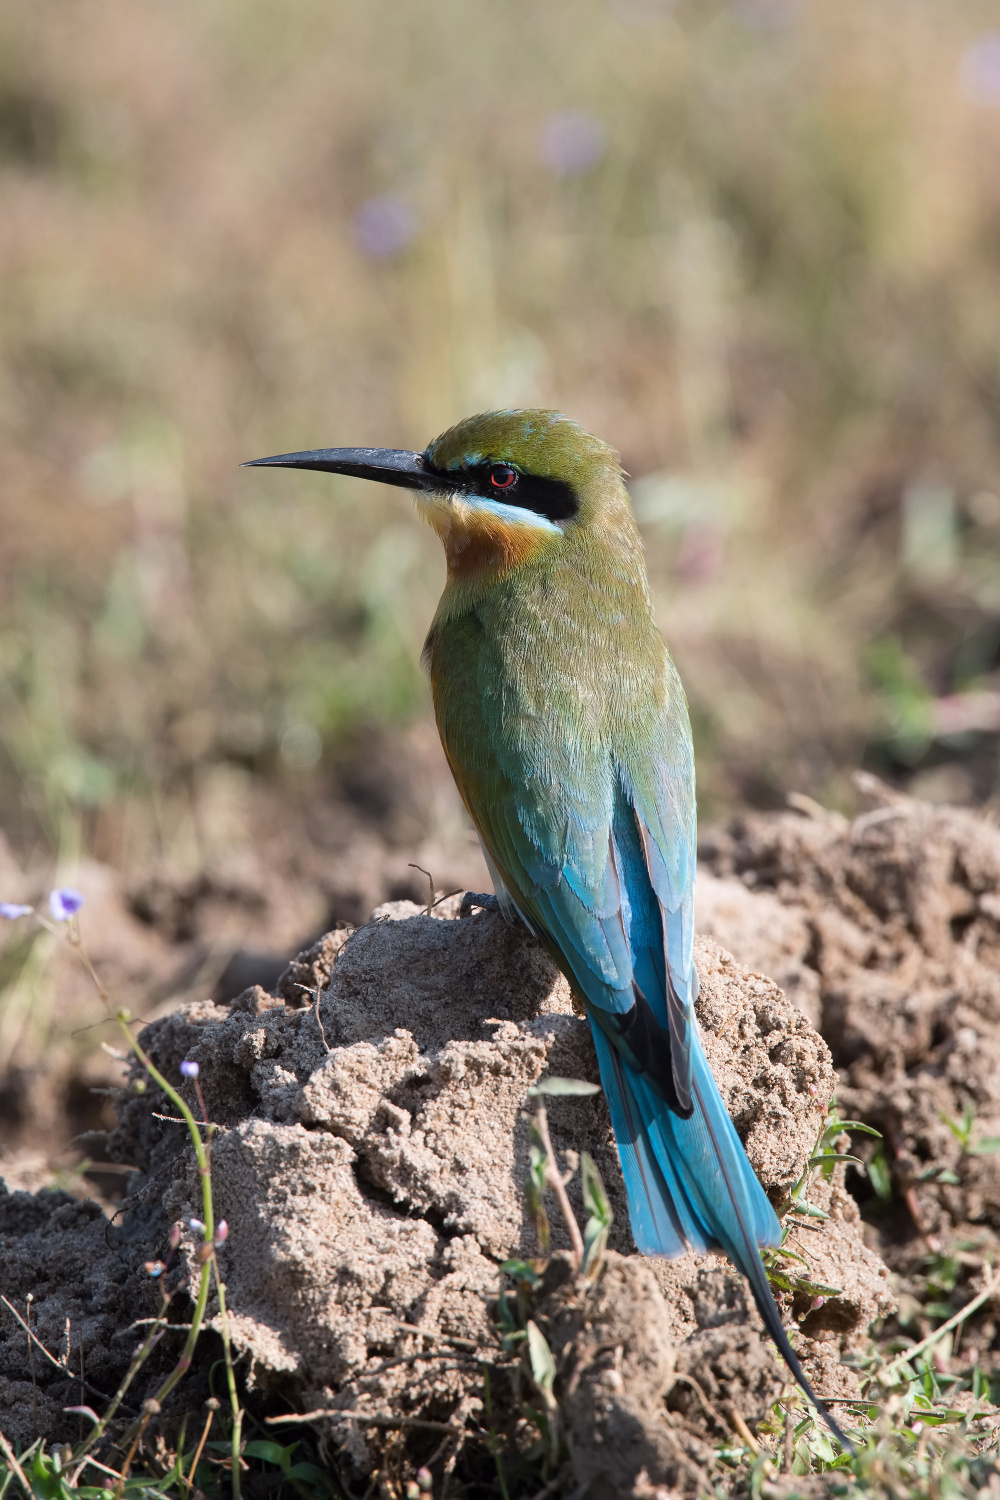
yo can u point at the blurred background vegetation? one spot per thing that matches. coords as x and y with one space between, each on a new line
755 244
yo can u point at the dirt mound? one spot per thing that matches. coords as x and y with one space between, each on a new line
887 931
370 1166
256 876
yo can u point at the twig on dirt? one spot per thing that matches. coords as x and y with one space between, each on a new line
150 1409
319 1018
12 1460
716 1416
433 900
376 1420
554 1178
93 1463
177 1120
50 1357
319 994
430 883
440 1338
31 1362
137 1361
907 1186
934 1338
83 1386
429 1354
213 1406
167 1327
742 1431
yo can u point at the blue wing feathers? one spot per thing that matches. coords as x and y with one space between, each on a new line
688 1181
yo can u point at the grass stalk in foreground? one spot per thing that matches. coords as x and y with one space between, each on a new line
64 904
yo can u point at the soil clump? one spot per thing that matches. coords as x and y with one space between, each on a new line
886 930
370 1162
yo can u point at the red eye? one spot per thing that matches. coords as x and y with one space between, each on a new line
502 476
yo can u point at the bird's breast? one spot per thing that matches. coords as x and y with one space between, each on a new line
551 664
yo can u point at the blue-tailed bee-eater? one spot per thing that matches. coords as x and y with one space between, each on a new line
566 729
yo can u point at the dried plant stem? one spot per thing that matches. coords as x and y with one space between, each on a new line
954 1322
377 1419
31 1364
554 1179
742 1431
189 1481
144 1421
11 1458
33 1336
138 1360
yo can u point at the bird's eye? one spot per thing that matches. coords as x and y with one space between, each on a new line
502 476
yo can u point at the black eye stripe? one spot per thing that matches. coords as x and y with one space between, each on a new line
551 498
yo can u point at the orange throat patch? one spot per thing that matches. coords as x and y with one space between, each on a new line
476 542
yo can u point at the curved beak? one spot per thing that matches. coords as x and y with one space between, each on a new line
387 465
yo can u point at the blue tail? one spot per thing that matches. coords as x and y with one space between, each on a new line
690 1186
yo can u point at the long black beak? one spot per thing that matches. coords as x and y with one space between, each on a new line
387 465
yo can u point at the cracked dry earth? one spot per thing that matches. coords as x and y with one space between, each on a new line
370 1164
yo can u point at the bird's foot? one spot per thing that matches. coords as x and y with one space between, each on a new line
472 899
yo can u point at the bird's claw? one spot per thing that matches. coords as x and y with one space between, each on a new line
472 899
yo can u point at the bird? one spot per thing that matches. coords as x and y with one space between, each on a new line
566 728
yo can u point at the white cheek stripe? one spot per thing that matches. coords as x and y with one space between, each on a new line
514 514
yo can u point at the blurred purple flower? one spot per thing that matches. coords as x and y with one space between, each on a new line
11 909
197 1226
222 1233
573 141
64 903
384 226
979 69
189 1069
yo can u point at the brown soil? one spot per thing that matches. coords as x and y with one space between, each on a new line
370 1167
373 1151
887 932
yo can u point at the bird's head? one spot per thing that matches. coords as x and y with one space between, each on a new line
498 488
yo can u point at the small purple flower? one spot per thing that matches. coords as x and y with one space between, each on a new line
11 910
189 1069
222 1232
64 903
197 1226
979 69
573 141
384 226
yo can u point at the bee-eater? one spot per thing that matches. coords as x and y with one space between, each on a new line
566 729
